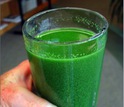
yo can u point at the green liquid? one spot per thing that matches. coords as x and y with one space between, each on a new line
67 75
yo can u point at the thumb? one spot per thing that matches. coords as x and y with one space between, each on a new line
20 75
29 99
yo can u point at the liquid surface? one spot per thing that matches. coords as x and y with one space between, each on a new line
65 35
67 81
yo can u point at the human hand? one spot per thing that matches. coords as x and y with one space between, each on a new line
16 86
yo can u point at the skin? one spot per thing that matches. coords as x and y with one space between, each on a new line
16 88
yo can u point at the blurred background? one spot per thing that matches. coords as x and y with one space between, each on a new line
15 12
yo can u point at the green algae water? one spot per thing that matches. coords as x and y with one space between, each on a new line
66 71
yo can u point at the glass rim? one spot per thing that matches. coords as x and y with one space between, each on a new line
95 36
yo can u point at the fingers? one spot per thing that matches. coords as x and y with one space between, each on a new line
15 85
28 99
24 70
20 75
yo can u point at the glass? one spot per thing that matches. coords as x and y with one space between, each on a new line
65 47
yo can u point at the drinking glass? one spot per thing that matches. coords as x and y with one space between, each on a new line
65 47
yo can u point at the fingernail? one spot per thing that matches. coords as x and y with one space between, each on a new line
50 105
